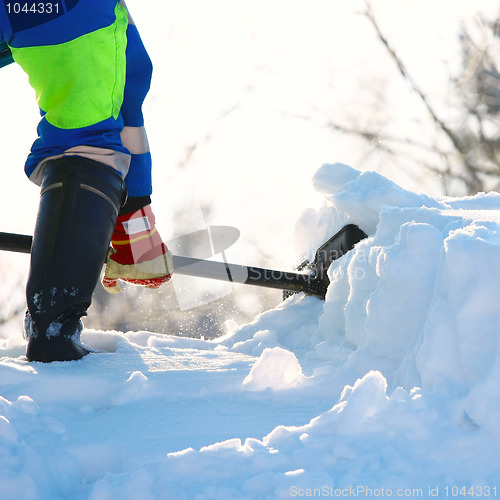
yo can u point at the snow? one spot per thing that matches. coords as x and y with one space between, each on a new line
275 369
389 387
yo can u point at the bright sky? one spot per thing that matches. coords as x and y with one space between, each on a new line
231 77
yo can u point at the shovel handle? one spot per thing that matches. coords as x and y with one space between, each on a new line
16 242
224 271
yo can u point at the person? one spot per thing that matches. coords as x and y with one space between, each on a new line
91 73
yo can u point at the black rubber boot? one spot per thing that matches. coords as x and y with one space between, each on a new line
79 203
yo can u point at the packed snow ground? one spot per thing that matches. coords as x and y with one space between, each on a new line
389 387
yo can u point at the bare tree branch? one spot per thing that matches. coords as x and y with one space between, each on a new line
455 140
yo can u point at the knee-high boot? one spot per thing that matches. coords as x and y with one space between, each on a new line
79 203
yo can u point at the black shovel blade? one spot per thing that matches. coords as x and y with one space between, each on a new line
338 245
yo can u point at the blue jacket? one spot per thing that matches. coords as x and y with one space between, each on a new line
5 54
91 73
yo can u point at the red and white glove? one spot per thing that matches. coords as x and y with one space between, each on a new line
138 254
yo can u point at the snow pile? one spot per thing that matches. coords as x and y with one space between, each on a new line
276 369
389 387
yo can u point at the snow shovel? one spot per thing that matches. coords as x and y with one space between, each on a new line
309 277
